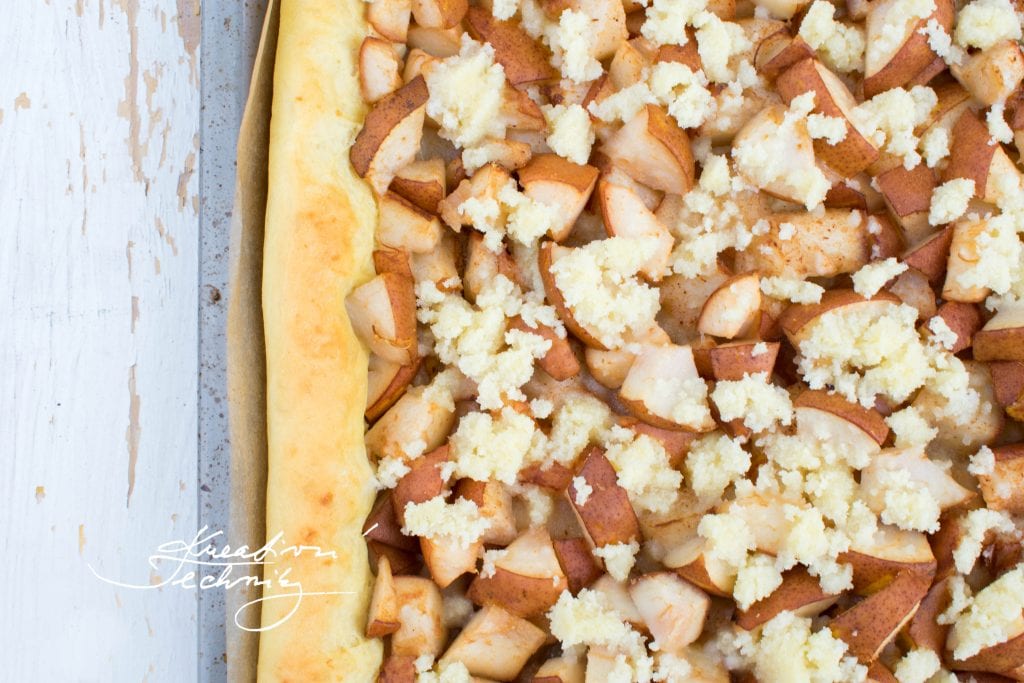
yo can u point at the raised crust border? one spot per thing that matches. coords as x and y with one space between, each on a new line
319 237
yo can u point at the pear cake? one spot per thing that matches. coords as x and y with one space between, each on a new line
646 340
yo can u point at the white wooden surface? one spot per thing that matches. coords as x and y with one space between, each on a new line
99 138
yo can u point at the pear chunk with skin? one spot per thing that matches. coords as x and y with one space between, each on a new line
963 319
383 315
897 47
1006 657
829 416
929 256
618 597
414 416
799 593
481 266
769 130
387 382
1008 386
380 69
1002 337
527 578
606 514
398 669
890 551
383 610
495 644
654 150
994 74
421 613
964 254
661 388
423 481
439 13
734 360
560 670
524 59
391 133
922 470
577 562
853 153
403 225
560 360
625 215
692 562
972 157
908 196
798 320
494 501
390 18
552 180
448 558
611 367
682 299
834 243
440 43
422 182
778 52
913 288
548 255
1003 488
871 624
734 309
440 265
673 609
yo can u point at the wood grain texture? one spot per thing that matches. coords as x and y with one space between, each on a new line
99 122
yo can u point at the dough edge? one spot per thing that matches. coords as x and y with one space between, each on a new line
319 238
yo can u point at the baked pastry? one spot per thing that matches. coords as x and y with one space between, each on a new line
628 341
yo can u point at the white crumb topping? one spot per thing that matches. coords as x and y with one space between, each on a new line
571 134
486 447
942 333
754 399
992 616
998 129
389 470
618 558
983 23
583 490
840 46
910 428
459 521
599 284
789 289
467 121
935 146
917 666
949 200
643 469
713 463
831 129
982 463
870 279
975 525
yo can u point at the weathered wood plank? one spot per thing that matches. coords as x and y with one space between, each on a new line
99 137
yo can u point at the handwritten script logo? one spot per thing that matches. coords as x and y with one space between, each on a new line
194 567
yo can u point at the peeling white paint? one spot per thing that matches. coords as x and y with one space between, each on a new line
98 345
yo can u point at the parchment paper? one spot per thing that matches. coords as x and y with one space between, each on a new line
246 361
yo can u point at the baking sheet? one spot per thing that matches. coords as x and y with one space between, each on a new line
246 370
231 34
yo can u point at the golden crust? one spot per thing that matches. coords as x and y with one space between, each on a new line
319 237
